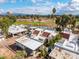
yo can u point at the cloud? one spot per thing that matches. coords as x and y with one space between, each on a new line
13 1
37 1
68 8
34 1
42 2
2 1
34 10
1 11
39 7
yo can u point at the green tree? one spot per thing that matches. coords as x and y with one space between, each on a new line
54 11
2 57
72 21
57 21
63 21
43 52
5 22
20 55
12 19
54 40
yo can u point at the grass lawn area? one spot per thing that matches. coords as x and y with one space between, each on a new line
32 23
77 22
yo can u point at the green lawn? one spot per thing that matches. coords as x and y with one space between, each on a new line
32 23
77 22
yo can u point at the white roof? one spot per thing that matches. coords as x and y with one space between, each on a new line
68 32
30 43
33 27
16 29
71 44
53 32
39 29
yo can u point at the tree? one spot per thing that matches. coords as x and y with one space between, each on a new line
2 57
9 13
72 21
20 55
12 19
52 16
62 21
54 11
57 21
5 22
43 52
54 40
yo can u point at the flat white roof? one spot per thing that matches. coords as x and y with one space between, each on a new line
16 29
30 43
71 44
52 32
39 29
33 27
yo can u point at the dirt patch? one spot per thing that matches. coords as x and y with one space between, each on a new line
5 50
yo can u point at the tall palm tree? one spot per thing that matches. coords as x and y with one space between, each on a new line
52 15
9 12
54 11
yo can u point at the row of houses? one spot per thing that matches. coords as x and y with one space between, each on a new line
36 40
67 47
32 41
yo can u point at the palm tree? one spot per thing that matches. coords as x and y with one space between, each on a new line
52 15
54 11
9 13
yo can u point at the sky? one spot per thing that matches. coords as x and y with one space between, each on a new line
43 7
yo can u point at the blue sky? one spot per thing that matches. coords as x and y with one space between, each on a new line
40 6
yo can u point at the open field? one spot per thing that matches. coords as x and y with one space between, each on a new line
27 22
77 22
48 23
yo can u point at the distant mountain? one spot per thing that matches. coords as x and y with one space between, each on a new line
21 14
